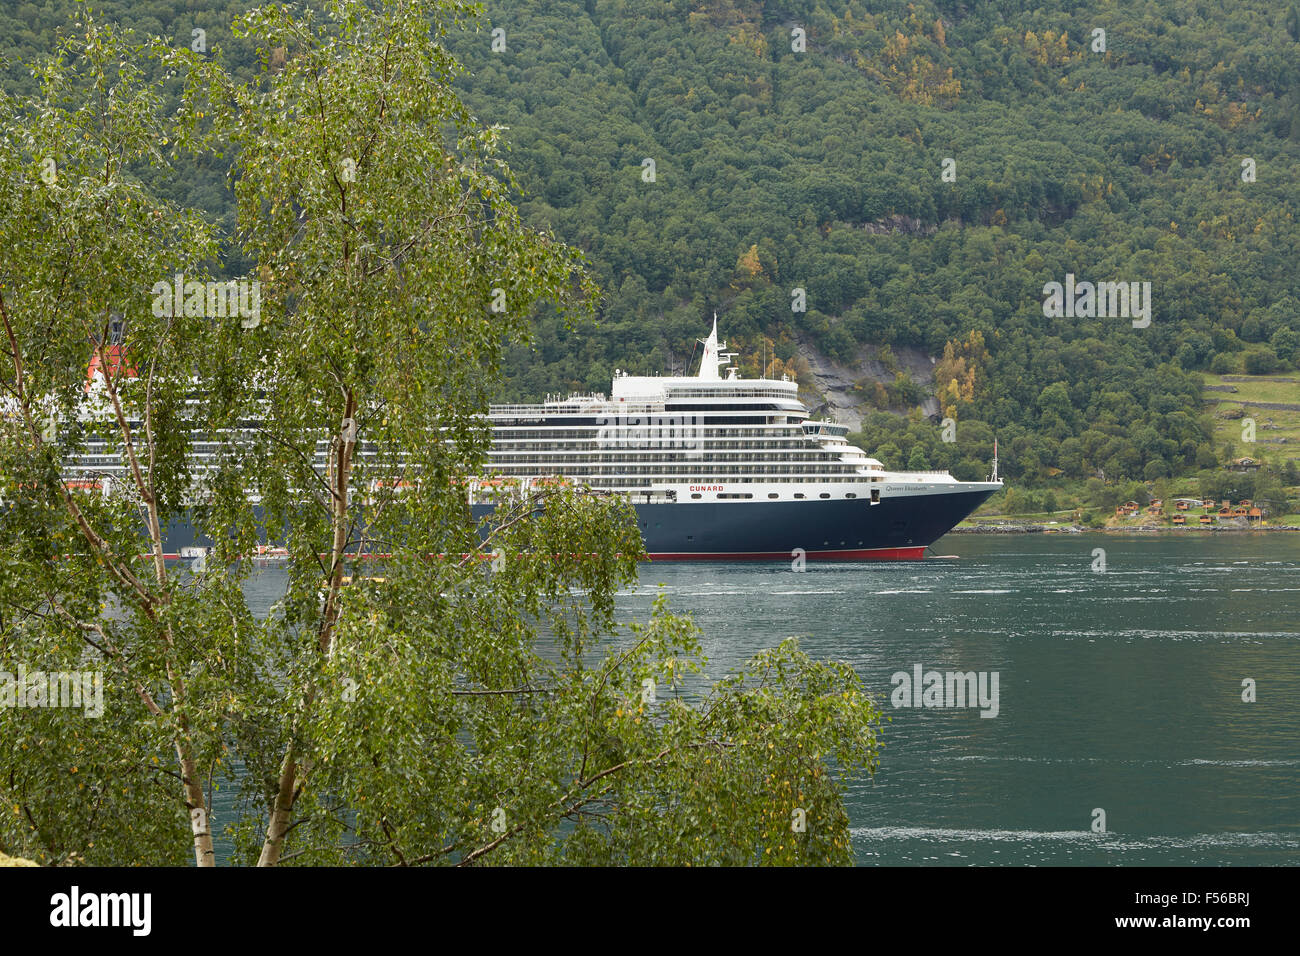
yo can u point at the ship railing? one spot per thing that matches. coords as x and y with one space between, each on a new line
604 407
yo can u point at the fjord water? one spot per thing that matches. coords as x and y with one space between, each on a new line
1119 690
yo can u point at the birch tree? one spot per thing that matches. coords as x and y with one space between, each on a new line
84 241
469 698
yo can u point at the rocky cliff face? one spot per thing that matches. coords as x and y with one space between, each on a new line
908 225
835 384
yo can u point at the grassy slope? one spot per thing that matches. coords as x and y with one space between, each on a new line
1270 426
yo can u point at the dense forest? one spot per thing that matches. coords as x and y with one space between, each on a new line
864 181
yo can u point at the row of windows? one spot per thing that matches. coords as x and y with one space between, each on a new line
650 437
552 464
604 421
512 431
672 468
875 495
650 458
699 478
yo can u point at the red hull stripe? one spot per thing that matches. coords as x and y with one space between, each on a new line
853 554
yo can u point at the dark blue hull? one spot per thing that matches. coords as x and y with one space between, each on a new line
898 528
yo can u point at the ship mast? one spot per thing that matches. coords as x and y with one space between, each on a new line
714 356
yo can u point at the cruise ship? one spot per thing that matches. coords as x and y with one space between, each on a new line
720 468
716 467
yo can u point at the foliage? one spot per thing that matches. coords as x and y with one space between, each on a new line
475 699
823 167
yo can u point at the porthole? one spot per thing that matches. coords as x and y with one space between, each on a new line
824 494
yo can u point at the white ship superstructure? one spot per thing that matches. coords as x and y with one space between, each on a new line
716 466
711 439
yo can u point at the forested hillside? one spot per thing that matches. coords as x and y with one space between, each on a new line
863 180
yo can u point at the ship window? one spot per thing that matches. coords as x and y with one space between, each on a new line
697 495
798 494
824 494
773 494
850 495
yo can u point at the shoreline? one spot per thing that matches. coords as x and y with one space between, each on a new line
1036 528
